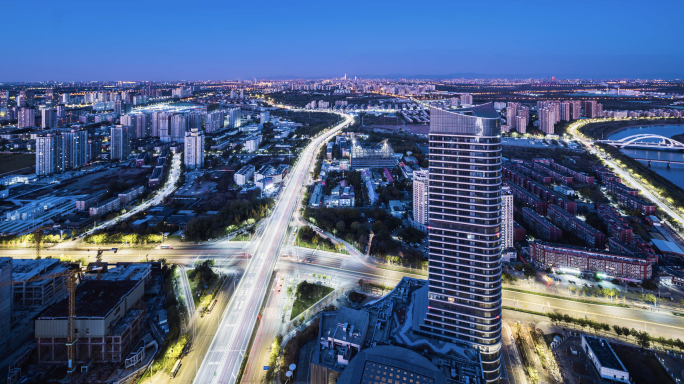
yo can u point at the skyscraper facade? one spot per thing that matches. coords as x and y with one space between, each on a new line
420 196
49 118
26 117
464 205
507 226
547 120
121 143
49 159
74 148
194 149
179 125
511 113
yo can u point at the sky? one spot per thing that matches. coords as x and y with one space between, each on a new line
74 40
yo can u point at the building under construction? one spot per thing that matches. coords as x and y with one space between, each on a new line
109 318
5 304
33 287
374 157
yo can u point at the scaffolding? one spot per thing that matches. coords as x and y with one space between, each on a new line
374 157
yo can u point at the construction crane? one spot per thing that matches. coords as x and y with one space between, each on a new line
71 275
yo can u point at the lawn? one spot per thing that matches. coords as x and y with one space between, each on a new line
307 294
15 161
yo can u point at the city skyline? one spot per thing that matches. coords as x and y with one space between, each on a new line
154 41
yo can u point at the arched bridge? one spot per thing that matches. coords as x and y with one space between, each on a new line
646 140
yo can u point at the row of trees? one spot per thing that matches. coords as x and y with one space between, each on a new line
234 215
642 338
122 238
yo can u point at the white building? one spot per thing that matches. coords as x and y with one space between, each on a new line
179 125
194 149
49 118
26 118
234 118
252 143
48 155
244 175
420 196
605 360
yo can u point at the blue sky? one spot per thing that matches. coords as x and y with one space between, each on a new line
196 40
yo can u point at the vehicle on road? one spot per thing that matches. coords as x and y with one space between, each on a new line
165 247
176 368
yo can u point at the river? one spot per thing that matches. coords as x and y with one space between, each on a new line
676 171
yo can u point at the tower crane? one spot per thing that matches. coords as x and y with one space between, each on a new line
71 276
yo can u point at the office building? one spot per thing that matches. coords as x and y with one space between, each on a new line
420 196
120 143
26 117
464 304
49 118
374 157
194 149
507 220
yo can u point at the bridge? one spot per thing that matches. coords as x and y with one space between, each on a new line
646 141
668 162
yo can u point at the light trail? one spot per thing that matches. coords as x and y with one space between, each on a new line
226 352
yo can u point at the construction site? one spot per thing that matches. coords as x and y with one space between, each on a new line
376 156
89 324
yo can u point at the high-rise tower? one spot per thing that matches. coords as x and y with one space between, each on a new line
464 205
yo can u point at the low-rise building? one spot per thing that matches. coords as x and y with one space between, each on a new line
130 194
570 223
244 175
630 202
604 359
541 226
84 203
632 267
106 206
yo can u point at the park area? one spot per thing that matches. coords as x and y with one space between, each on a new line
307 295
10 162
203 282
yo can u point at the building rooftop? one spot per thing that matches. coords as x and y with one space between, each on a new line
351 326
25 269
604 353
390 364
94 298
668 246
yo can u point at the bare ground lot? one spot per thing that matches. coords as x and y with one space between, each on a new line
10 162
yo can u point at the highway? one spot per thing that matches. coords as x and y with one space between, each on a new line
224 357
646 192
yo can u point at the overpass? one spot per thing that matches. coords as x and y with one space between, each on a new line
646 141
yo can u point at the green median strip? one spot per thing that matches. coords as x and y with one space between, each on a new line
567 298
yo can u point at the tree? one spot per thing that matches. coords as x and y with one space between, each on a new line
618 330
643 339
340 227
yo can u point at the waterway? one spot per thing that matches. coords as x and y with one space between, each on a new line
676 171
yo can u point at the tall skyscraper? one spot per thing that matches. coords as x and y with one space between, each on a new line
194 149
592 109
242 93
234 118
120 143
49 158
420 196
232 93
576 109
546 120
520 124
566 111
74 148
464 203
507 226
511 113
49 118
164 126
26 117
179 125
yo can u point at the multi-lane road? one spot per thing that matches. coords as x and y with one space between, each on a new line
226 352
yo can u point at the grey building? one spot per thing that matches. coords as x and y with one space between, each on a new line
5 303
120 143
464 205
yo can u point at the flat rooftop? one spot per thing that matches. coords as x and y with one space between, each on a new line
94 298
25 269
351 325
604 353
